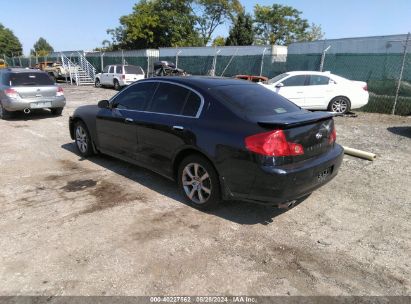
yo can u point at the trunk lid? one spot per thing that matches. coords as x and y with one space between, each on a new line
312 130
36 91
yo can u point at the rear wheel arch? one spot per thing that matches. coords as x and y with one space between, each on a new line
181 155
338 97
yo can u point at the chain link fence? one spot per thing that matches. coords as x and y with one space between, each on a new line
388 75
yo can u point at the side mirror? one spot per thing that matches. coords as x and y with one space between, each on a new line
103 104
279 85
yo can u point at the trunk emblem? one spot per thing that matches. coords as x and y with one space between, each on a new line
318 135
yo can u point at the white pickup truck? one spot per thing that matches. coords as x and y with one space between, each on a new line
118 76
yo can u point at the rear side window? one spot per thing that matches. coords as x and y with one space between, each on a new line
318 80
253 99
28 79
169 99
192 105
277 78
135 97
119 70
294 81
132 69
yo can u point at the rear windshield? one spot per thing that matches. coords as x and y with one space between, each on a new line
28 79
253 99
132 69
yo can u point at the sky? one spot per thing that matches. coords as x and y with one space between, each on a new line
82 24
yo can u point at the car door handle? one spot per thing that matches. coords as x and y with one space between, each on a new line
128 120
300 92
178 128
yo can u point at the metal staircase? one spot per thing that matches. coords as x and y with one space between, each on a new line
80 71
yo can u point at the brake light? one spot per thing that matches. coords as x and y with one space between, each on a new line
273 143
60 91
11 93
333 136
365 88
123 76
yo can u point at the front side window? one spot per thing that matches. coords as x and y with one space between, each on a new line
136 97
106 69
318 80
294 81
111 69
169 99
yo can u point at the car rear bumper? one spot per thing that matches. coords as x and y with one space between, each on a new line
40 103
280 184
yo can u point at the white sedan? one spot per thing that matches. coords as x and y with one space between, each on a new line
320 90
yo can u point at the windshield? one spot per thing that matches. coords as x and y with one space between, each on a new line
29 79
277 78
132 69
253 99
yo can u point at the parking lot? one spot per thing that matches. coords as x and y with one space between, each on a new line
101 226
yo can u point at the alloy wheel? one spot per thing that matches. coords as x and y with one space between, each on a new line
81 139
196 183
339 106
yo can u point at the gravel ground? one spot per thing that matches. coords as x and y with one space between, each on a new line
71 226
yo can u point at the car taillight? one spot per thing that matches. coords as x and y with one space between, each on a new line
273 143
60 91
333 136
11 93
123 76
365 88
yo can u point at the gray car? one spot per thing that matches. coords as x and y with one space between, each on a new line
26 89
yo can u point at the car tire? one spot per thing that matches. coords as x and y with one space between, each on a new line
339 104
198 182
117 86
83 139
53 78
4 114
56 111
97 83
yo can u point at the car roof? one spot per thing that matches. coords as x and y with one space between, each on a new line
22 70
201 81
308 72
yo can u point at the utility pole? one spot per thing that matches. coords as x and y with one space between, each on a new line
404 56
323 58
178 53
262 62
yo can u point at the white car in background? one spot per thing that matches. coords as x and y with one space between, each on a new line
118 76
320 90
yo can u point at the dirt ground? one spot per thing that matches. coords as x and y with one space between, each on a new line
100 226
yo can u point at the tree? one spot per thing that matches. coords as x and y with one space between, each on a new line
156 23
9 44
41 48
219 41
313 33
242 33
212 13
279 24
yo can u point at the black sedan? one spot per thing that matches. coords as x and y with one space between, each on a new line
220 139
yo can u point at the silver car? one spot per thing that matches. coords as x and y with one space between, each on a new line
26 89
